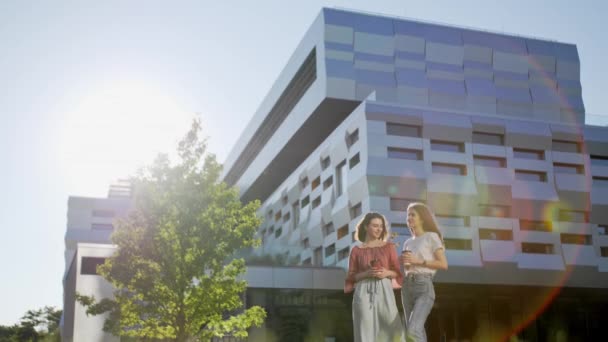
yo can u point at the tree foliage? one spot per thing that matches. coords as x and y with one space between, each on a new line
174 271
40 325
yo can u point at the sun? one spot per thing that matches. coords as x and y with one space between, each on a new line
114 130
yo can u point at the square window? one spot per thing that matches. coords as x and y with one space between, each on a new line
488 138
522 153
447 146
530 176
88 265
352 162
404 153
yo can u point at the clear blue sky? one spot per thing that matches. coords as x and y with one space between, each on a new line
88 92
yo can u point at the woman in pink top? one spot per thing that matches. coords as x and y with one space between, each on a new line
373 272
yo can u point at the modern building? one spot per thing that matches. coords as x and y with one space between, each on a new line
373 112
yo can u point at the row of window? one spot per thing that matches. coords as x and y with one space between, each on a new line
415 131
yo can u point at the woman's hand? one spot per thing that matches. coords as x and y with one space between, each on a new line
381 273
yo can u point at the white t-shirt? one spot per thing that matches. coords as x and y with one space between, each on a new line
423 247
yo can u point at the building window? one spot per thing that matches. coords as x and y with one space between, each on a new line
278 232
316 202
103 213
566 146
600 181
102 226
453 221
599 160
305 201
458 244
271 230
536 248
328 182
355 211
328 229
573 216
530 176
306 243
568 168
318 256
295 208
303 182
494 211
540 226
488 138
343 253
523 153
575 239
325 162
450 169
604 252
489 161
495 234
330 250
352 162
315 183
602 229
340 178
284 200
88 265
342 231
447 146
286 217
269 215
277 216
352 138
400 204
403 130
404 153
307 262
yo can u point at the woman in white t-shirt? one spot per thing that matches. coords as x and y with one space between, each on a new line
423 254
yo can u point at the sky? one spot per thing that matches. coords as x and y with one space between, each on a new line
89 91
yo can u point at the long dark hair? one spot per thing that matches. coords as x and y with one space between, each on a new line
429 224
361 232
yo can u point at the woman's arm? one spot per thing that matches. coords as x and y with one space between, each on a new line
439 262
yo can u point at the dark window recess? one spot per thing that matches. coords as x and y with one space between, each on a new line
458 244
495 234
306 243
523 153
352 162
302 80
568 168
602 229
604 252
305 201
599 160
328 182
284 200
566 146
102 226
540 226
328 229
103 213
352 138
316 202
303 182
494 210
530 176
404 153
600 181
88 265
342 231
278 232
355 210
286 217
277 216
573 216
537 248
489 161
315 183
447 146
325 162
307 262
400 204
269 215
450 169
488 138
575 239
403 130
343 253
330 250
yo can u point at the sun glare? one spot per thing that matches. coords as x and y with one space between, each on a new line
115 130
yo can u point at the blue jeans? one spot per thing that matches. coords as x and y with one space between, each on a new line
418 297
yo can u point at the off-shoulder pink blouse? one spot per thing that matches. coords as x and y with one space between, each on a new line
361 260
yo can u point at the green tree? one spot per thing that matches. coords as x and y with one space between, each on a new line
174 271
40 325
